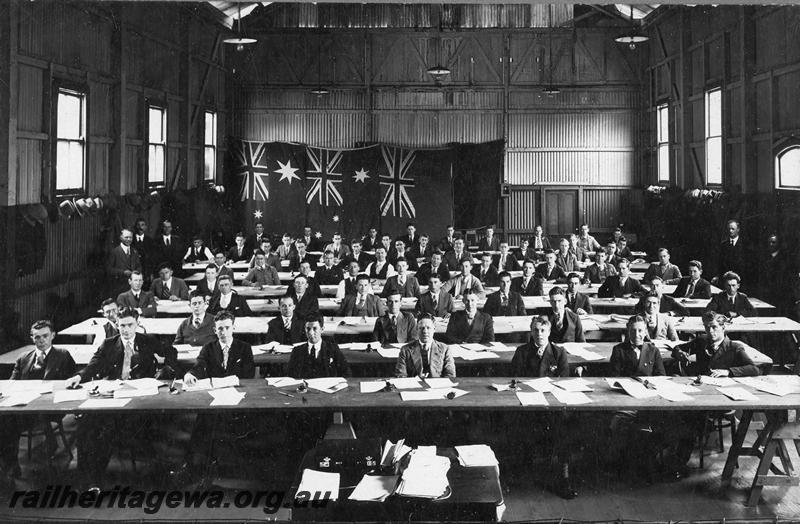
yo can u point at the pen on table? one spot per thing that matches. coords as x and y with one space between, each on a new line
286 394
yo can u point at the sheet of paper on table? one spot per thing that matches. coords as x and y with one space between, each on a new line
283 382
104 403
543 384
393 452
22 398
315 482
778 385
425 476
212 383
186 348
531 398
501 387
476 456
571 398
500 347
144 383
69 395
226 397
722 382
372 386
736 393
633 388
374 487
406 382
435 383
391 353
581 349
134 392
9 387
574 385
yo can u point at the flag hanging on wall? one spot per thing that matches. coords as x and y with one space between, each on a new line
286 186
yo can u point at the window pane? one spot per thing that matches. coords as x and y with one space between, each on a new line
69 165
714 113
714 160
663 163
663 124
155 116
209 164
210 129
789 168
155 164
69 116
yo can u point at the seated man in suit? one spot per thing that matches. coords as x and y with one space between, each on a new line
506 261
435 302
329 274
197 252
371 240
198 329
208 286
486 272
228 300
693 286
286 328
169 246
169 287
587 241
309 239
730 302
715 354
223 357
286 248
566 259
435 266
667 304
549 271
598 272
400 251
349 283
388 246
470 325
108 327
489 242
142 301
411 238
659 325
239 252
380 269
300 255
258 236
465 281
364 303
271 258
356 255
565 324
448 242
612 257
403 283
539 241
307 302
577 301
338 248
395 325
422 250
313 285
622 284
454 258
576 249
130 355
528 285
425 357
221 263
505 302
636 357
317 357
668 272
526 251
43 362
623 251
261 275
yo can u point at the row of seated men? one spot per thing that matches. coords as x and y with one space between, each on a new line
130 354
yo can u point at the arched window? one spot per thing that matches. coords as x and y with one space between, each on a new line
787 168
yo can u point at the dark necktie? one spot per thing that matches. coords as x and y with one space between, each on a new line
136 296
425 365
690 289
165 291
38 363
504 300
197 322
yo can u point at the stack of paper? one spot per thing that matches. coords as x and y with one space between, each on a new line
392 452
468 354
9 387
376 488
425 476
273 346
104 403
283 382
722 382
226 397
477 455
212 383
327 384
186 348
580 349
321 483
632 387
500 387
22 398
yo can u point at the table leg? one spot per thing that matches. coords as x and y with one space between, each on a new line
763 467
736 447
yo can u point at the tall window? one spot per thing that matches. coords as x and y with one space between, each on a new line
156 145
70 141
210 147
662 116
787 168
714 136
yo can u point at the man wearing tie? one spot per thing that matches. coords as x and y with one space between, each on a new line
396 325
565 324
338 249
168 287
170 245
317 357
312 244
598 272
505 302
435 302
286 328
577 301
425 357
410 239
622 284
107 329
465 282
197 252
667 304
198 329
528 285
123 260
565 259
240 252
300 255
506 261
732 253
400 251
43 362
548 270
208 286
449 241
435 266
307 303
659 325
228 300
330 274
486 272
262 274
694 286
130 355
730 302
254 240
539 242
454 258
636 357
348 284
470 325
226 356
142 301
364 303
381 269
489 242
371 241
402 283
668 272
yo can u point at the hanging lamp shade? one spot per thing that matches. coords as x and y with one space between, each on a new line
438 71
239 40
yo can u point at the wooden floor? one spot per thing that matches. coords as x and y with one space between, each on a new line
603 495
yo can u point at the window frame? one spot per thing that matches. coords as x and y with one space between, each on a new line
149 105
708 138
212 147
71 88
782 150
663 144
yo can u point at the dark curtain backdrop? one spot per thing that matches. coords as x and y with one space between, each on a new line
476 176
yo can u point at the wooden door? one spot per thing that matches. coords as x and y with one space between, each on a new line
561 211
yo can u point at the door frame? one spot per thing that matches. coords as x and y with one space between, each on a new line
580 212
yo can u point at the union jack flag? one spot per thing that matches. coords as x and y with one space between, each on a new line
396 199
251 164
324 176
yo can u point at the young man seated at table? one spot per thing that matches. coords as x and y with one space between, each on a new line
435 266
169 287
300 255
424 356
130 355
668 272
339 248
565 325
208 286
271 258
486 272
549 271
541 358
715 354
598 272
611 255
380 269
566 259
463 282
403 283
198 329
470 325
576 249
577 301
539 242
356 255
286 328
622 285
240 252
525 250
659 325
693 286
226 356
435 302
108 327
307 303
228 300
221 263
364 303
506 261
422 250
197 252
528 285
730 302
261 274
395 325
317 357
142 301
401 251
330 274
43 362
313 285
346 285
505 302
623 251
286 248
666 304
